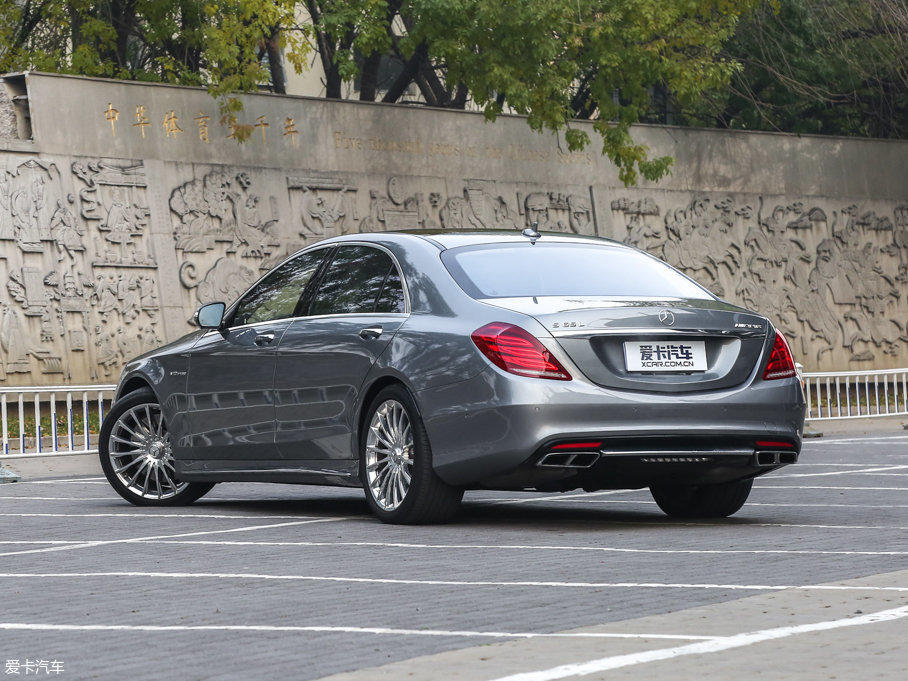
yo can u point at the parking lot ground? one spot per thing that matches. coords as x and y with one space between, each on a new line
795 633
808 581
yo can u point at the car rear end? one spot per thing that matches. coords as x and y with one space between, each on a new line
608 370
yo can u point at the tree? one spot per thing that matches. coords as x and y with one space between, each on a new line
551 60
836 67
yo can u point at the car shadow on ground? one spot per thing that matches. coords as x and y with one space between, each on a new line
477 514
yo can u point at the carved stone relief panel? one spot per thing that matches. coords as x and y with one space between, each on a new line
114 203
481 205
223 208
25 207
81 284
831 276
557 212
432 203
29 321
225 235
220 254
326 206
397 205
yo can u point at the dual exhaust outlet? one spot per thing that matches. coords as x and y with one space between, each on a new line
775 458
587 459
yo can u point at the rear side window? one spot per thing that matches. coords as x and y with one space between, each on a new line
524 270
359 280
276 296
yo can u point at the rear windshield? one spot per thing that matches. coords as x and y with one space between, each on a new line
559 269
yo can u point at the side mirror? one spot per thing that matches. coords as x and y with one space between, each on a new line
209 316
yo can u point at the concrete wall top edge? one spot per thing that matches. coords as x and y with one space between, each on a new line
131 120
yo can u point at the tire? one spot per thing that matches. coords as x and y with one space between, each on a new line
136 454
396 464
702 501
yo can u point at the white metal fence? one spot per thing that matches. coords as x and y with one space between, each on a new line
64 420
52 420
856 394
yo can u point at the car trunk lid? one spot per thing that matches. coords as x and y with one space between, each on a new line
652 345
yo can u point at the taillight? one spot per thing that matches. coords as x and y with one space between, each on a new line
578 445
514 350
781 363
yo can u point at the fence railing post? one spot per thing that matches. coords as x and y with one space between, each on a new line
24 422
856 394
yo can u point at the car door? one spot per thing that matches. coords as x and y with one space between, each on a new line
324 357
231 370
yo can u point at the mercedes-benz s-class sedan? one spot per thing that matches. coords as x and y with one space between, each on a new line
418 365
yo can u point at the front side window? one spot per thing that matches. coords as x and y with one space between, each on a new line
276 296
359 280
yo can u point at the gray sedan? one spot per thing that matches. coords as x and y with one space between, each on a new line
418 365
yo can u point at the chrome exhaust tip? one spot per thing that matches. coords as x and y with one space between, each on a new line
775 457
568 460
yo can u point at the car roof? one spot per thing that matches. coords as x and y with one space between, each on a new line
445 239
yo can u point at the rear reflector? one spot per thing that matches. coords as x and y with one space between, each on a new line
769 443
514 350
781 363
578 445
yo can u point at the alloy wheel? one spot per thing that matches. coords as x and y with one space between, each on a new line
141 455
389 455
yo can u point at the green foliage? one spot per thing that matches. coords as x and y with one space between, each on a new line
549 60
835 67
29 430
537 55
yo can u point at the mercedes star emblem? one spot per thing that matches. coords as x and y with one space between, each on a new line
666 317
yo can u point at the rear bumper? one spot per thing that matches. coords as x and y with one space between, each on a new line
494 429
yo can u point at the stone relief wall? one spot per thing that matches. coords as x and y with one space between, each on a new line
120 218
224 234
81 287
832 276
82 264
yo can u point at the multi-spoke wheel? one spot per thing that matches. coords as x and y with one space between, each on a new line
137 456
396 464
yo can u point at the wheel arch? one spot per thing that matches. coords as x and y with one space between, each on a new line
367 396
133 384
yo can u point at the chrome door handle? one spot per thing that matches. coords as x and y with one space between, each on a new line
370 332
264 339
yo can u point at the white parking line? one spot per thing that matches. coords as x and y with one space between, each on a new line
88 481
893 475
23 498
650 502
804 464
863 471
448 582
855 440
560 497
714 646
93 544
484 547
153 516
22 626
763 486
526 547
658 522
